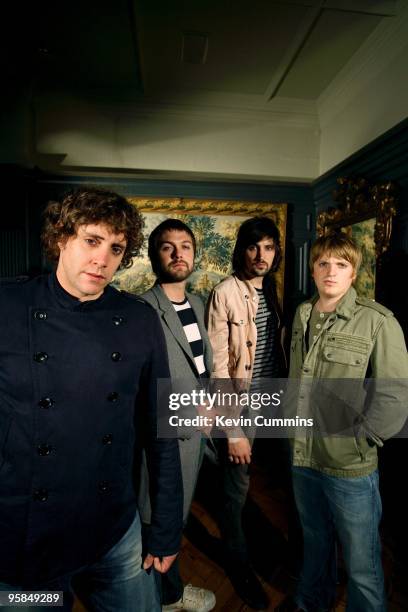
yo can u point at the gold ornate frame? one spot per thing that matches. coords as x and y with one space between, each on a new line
359 201
230 209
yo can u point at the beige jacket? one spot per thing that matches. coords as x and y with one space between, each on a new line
230 318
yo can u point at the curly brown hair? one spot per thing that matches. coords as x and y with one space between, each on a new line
89 205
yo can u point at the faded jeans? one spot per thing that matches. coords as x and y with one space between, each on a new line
351 509
115 583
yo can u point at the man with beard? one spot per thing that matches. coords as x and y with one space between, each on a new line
244 329
171 251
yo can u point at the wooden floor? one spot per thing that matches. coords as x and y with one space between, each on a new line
201 557
205 570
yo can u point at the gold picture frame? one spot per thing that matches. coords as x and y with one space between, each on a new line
215 224
365 212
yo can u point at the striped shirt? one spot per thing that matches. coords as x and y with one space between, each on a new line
192 331
267 352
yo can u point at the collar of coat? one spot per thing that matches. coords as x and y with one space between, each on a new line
246 288
165 304
70 302
344 309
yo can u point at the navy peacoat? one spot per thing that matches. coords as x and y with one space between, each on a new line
77 393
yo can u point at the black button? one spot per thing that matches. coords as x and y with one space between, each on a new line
46 402
40 315
40 357
44 450
113 396
117 320
247 367
249 343
107 439
40 495
116 356
104 486
306 369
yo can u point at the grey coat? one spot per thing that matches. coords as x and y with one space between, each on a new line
182 366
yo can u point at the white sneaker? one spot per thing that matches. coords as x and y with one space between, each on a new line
194 599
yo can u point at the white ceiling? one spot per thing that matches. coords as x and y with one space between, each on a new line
288 48
263 49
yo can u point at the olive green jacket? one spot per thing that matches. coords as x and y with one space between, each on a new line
360 338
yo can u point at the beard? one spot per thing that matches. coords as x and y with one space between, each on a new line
254 271
171 275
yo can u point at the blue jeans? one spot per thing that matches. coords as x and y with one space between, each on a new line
115 583
351 509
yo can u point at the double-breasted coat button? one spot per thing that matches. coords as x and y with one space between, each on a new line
116 356
103 486
249 343
40 315
113 396
46 402
44 449
40 495
117 320
40 357
247 367
107 439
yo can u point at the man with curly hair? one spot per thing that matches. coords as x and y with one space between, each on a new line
79 363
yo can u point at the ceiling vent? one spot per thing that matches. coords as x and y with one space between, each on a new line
194 48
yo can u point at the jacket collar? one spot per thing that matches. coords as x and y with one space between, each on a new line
344 309
246 288
172 319
163 301
173 322
70 302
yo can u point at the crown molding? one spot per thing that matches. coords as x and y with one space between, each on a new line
209 106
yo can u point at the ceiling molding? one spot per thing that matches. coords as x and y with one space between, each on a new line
376 53
285 111
215 107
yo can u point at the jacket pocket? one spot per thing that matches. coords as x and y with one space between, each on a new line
337 452
349 357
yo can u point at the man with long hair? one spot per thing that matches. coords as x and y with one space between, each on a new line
244 326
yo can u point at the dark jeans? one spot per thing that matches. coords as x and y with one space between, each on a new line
235 484
274 456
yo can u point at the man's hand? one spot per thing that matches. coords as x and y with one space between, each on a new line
161 564
239 450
